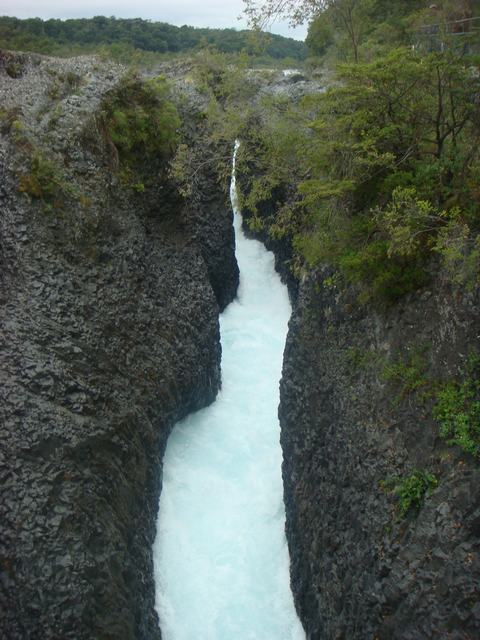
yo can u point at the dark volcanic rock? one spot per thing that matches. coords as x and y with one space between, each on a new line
208 212
358 570
210 222
282 250
109 334
281 247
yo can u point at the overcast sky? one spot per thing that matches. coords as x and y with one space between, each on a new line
197 13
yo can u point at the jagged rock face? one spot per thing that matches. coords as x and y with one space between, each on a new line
359 571
214 234
280 247
109 334
205 215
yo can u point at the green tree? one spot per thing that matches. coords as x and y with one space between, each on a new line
320 36
345 12
141 123
67 36
386 165
260 15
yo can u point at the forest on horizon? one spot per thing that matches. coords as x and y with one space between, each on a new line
120 37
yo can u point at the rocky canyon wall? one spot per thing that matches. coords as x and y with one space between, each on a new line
351 435
109 334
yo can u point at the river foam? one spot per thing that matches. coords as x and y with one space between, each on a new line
221 560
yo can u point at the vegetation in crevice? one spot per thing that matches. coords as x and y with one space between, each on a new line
41 175
11 123
457 409
411 490
359 360
407 374
46 182
453 403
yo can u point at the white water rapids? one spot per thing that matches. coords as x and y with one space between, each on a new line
221 560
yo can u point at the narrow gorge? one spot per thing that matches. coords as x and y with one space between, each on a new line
221 558
279 448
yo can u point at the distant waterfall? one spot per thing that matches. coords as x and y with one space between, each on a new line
221 560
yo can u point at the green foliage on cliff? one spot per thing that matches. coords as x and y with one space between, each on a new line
408 374
142 123
411 490
457 409
46 181
454 403
385 166
227 87
377 176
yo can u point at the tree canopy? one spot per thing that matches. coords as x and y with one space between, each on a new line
350 25
260 14
59 36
